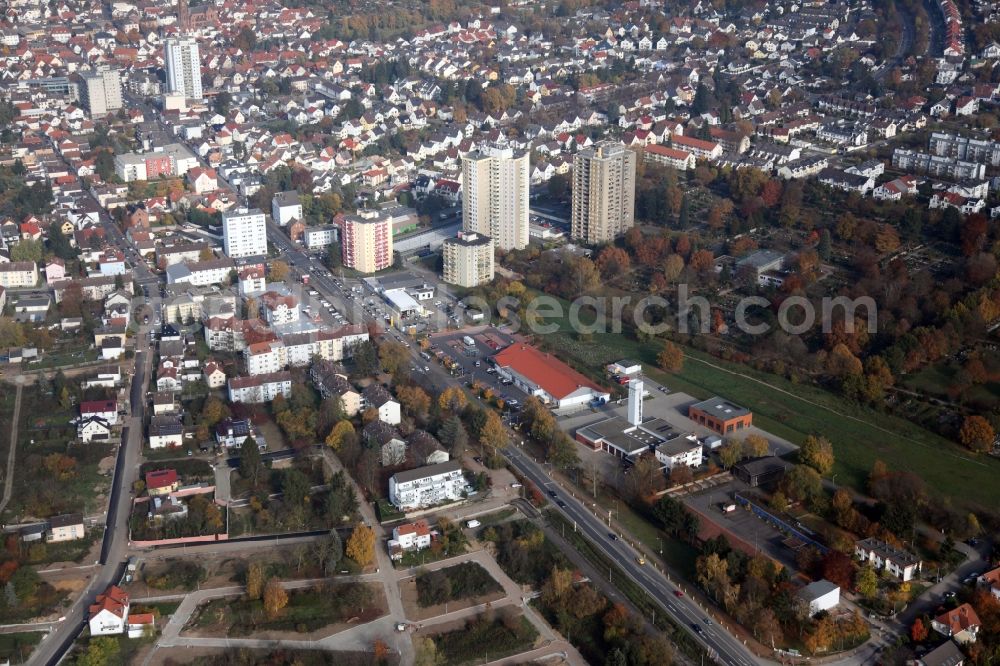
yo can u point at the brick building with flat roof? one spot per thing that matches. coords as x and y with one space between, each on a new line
720 415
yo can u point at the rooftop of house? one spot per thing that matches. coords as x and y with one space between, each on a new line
113 600
66 520
817 589
428 471
418 527
888 552
161 478
959 619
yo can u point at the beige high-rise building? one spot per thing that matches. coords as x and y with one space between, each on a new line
468 259
366 241
102 91
495 195
603 192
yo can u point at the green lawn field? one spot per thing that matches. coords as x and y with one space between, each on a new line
860 435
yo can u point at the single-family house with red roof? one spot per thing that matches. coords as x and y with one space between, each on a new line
161 482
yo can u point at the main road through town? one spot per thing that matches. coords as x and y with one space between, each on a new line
721 646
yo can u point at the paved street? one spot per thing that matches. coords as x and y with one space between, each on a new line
8 476
682 610
361 637
114 548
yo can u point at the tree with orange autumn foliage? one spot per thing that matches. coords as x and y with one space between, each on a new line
671 358
612 261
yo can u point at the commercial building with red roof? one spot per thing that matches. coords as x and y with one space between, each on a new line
543 375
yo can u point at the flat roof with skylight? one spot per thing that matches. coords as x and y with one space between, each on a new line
720 408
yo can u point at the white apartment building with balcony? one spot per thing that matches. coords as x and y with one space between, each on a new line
260 388
427 486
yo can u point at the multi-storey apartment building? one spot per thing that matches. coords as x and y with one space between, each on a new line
427 486
964 148
937 165
495 199
15 274
603 192
899 563
468 259
101 91
260 388
183 64
244 233
366 241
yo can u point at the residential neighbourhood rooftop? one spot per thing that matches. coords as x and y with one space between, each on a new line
273 220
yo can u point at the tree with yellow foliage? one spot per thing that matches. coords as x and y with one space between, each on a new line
493 433
275 598
361 545
338 434
452 400
755 446
255 581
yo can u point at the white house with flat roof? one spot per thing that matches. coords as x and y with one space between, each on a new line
821 595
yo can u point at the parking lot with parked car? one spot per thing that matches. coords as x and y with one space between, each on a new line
473 363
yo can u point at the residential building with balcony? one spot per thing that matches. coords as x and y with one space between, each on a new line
424 487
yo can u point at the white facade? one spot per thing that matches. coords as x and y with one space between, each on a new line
427 486
821 595
18 274
214 376
279 310
285 207
244 233
108 615
681 160
162 441
93 429
106 623
389 413
317 237
898 563
183 63
684 450
260 388
495 200
412 536
265 357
